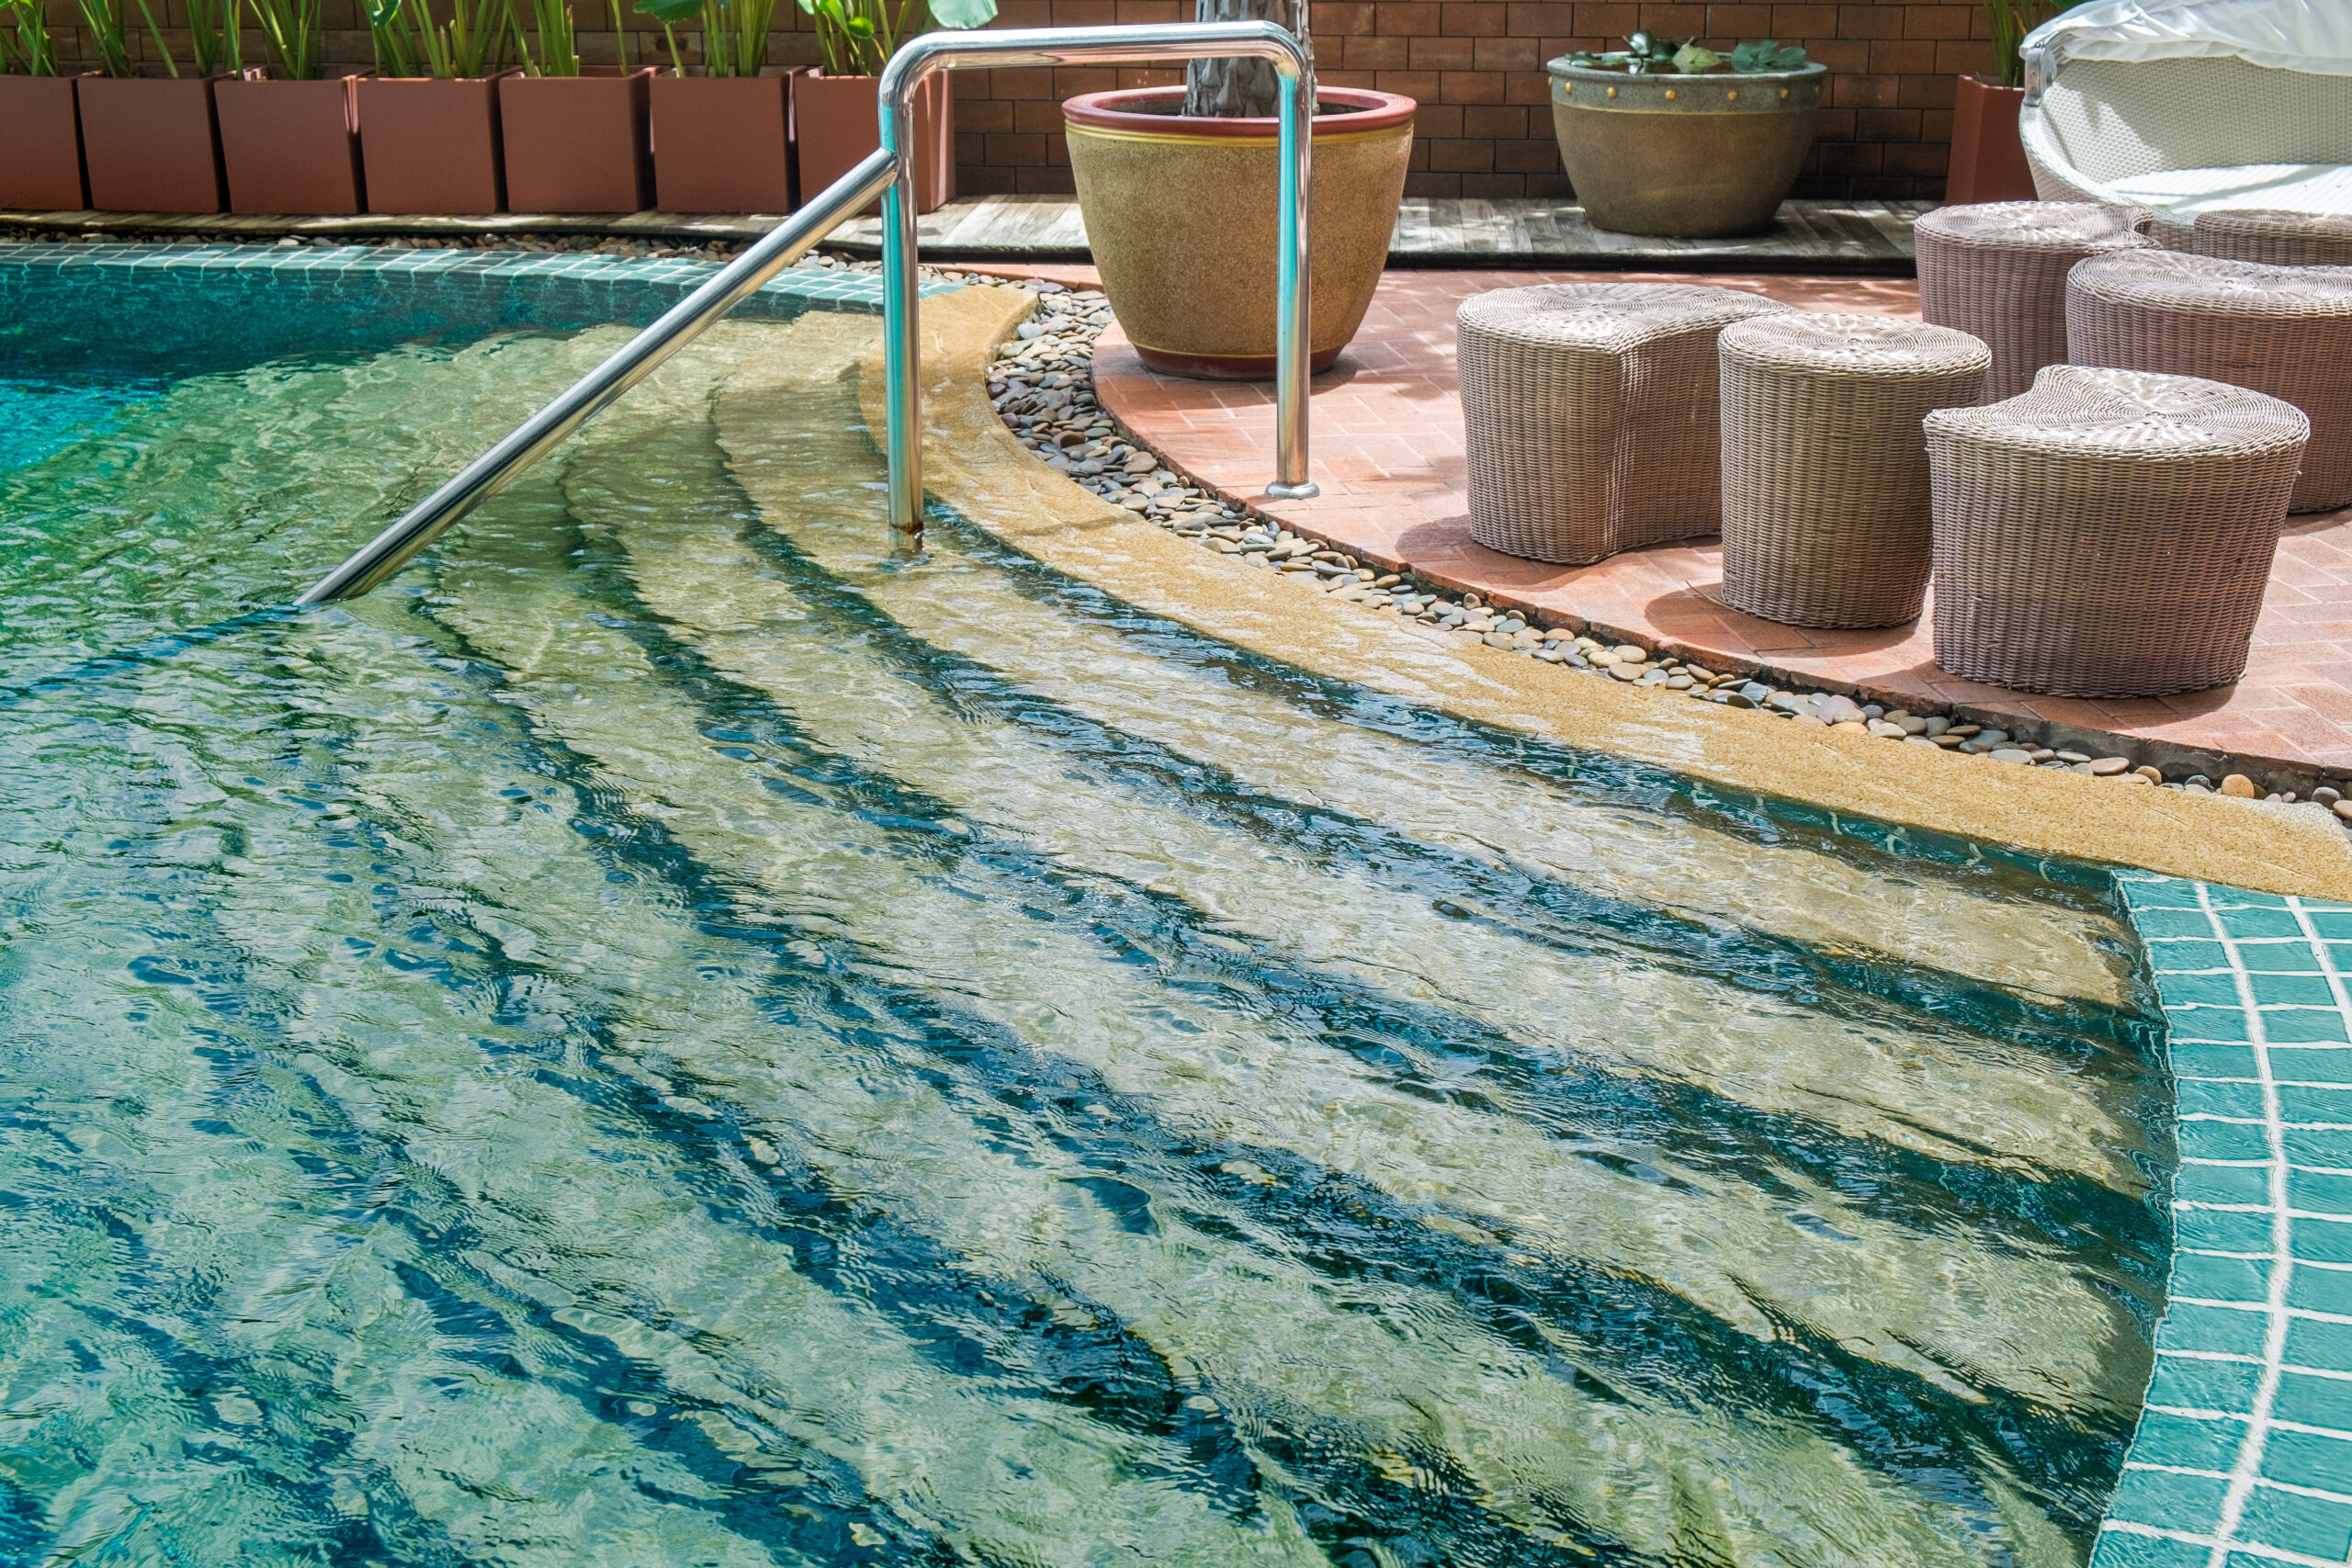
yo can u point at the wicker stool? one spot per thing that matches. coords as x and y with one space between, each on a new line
1998 272
2275 238
1590 410
1825 506
2286 331
2109 533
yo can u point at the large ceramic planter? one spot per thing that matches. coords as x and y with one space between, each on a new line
722 144
42 170
836 125
150 144
430 146
1196 295
1987 158
578 143
290 147
1686 157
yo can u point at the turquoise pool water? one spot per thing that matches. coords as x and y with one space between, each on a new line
655 1041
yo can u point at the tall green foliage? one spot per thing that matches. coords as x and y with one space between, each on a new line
858 37
476 40
108 37
2008 21
554 49
734 32
293 32
32 53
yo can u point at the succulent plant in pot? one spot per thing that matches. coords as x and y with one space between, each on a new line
838 125
428 118
1987 158
42 170
1669 137
1198 298
150 142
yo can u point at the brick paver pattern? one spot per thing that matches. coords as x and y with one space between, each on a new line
1387 448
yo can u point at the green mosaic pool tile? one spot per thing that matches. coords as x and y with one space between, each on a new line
2241 1100
2313 1063
2219 1025
2316 1527
2118 1549
2316 1342
2189 1327
2202 1278
2332 923
2319 1146
2294 957
2321 1290
2167 1500
2206 1140
2298 1102
2208 988
2182 921
2319 1192
2188 954
2222 1230
2316 1026
2276 989
2193 1058
2183 1383
2320 1240
2187 1443
2308 1400
2249 921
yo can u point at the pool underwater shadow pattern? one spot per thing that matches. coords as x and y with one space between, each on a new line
656 1042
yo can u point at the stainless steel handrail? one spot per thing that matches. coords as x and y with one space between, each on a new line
1015 47
632 363
889 174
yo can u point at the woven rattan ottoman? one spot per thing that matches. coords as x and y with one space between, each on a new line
2108 533
1589 413
1826 520
2273 238
2286 331
1998 272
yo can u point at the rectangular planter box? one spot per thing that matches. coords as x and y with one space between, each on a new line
722 143
1987 158
290 147
430 146
577 143
42 169
836 124
150 144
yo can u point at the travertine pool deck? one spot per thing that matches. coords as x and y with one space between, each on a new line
1387 448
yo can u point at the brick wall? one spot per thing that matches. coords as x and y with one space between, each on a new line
1476 67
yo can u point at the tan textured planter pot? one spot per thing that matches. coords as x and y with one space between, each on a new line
1686 157
150 144
577 143
1197 299
290 147
42 170
836 124
430 146
1987 157
722 143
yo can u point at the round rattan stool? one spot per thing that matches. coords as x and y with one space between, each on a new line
2275 238
1589 414
1825 471
1998 272
2108 533
2286 331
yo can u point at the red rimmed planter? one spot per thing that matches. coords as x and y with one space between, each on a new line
429 145
722 144
289 148
1197 299
42 170
578 143
837 125
1988 155
151 143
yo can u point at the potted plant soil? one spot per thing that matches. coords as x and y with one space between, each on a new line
43 169
1667 138
577 136
150 142
1987 158
721 129
836 109
1196 296
428 118
290 133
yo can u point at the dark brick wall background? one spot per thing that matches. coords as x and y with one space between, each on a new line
1476 66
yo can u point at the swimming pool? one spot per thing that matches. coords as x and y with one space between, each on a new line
656 1039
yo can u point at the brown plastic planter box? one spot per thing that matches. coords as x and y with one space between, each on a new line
1988 155
836 125
42 170
430 146
150 144
577 143
290 147
722 143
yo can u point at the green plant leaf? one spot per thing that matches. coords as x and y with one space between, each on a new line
1692 58
962 15
669 12
382 13
1766 55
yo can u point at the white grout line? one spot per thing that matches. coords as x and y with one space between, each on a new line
2222 1547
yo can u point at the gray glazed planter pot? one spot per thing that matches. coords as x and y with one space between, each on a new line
1685 157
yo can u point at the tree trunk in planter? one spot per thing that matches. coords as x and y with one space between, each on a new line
1240 87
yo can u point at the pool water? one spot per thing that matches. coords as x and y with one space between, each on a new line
656 1040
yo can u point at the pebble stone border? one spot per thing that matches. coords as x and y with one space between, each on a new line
2242 1458
1042 385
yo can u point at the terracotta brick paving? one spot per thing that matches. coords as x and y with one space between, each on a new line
1388 454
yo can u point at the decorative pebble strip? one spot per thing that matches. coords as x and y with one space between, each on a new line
2244 1452
1040 384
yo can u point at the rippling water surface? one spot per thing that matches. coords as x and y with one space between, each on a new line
654 1041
